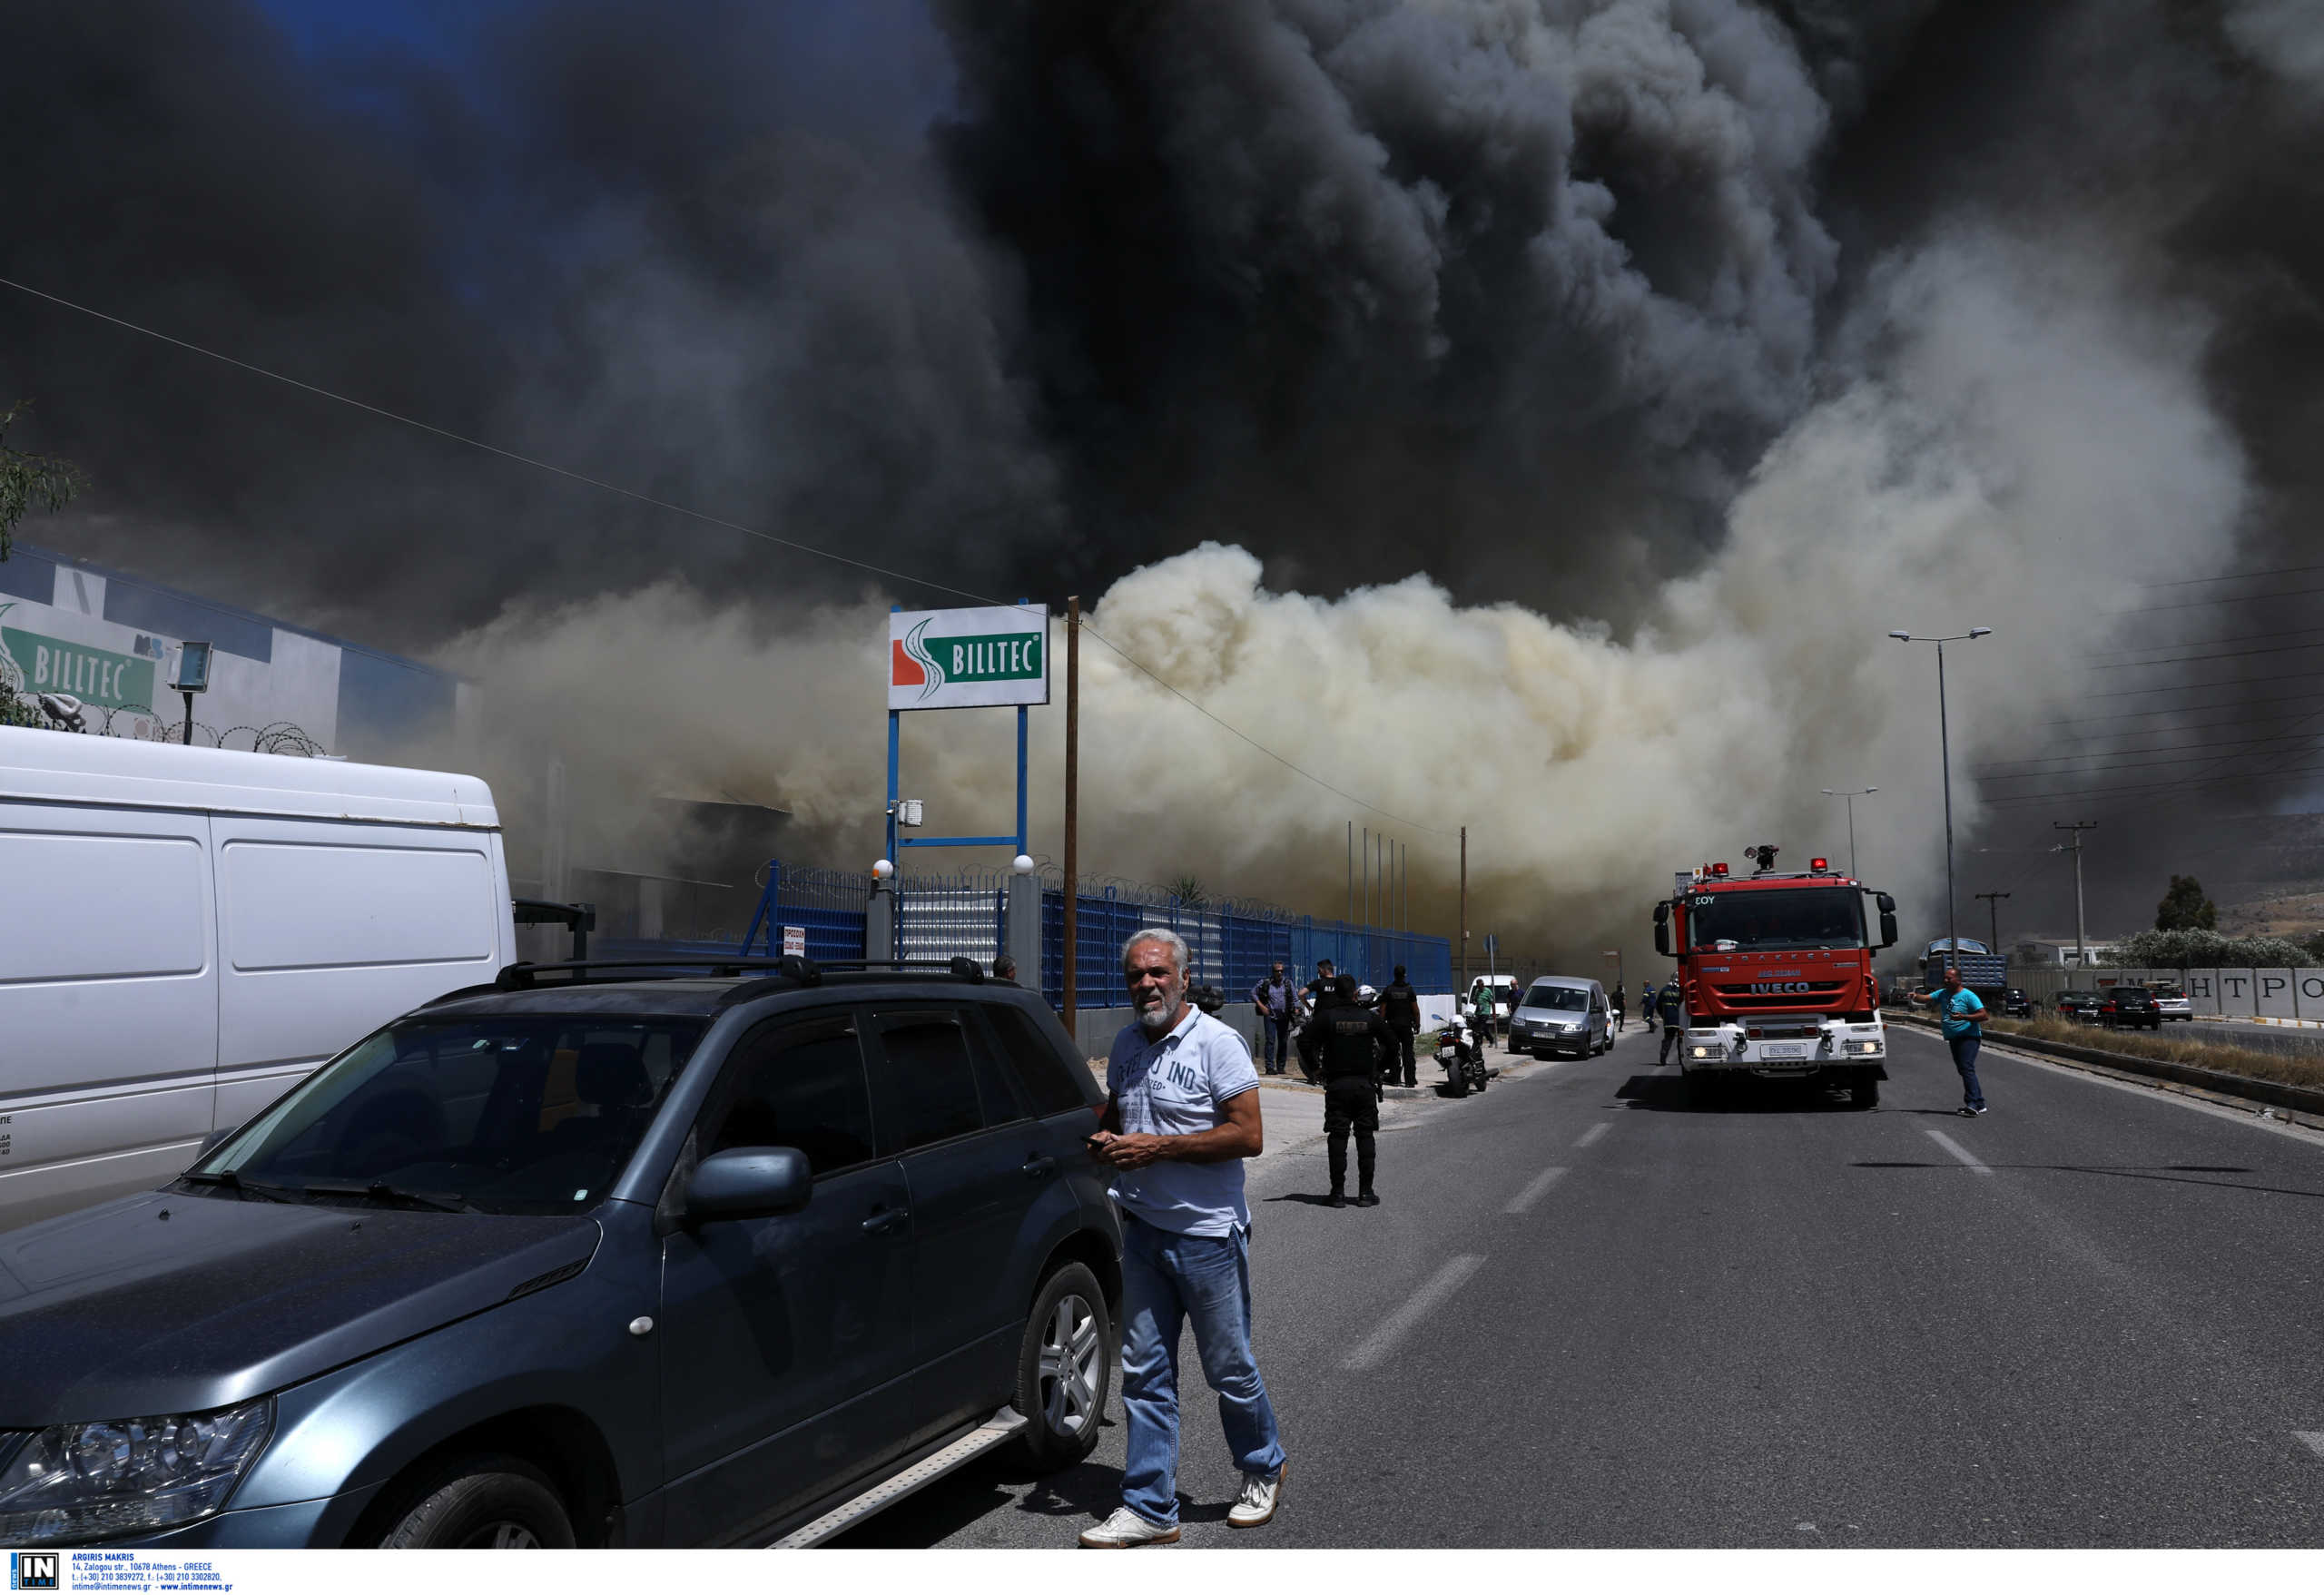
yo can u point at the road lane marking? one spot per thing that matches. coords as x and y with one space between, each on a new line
1595 1131
1533 1193
1400 1322
2314 1442
1959 1150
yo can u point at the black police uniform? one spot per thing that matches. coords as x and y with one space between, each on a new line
1666 1007
1400 1006
1355 1041
1320 994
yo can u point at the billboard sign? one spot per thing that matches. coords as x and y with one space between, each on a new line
968 658
35 661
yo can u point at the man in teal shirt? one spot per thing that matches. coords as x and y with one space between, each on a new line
1960 1016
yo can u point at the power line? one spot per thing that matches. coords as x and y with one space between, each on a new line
2198 686
2243 576
2168 748
707 519
2018 800
2231 598
2198 658
2189 709
2251 636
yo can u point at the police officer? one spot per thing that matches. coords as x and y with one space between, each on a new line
1666 1007
1316 995
1399 1007
1617 1000
1355 1041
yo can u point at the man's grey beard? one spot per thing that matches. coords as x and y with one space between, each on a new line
1156 1019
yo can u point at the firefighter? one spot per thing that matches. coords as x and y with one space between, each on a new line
1356 1039
1666 1009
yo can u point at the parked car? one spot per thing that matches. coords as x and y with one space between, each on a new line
2126 1005
2172 1001
235 918
2077 1005
2015 1004
1562 1014
594 1259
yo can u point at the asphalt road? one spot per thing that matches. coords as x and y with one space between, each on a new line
1588 1317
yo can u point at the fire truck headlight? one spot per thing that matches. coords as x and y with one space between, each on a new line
1703 1049
1861 1048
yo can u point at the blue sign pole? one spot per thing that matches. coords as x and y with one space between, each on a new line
1021 778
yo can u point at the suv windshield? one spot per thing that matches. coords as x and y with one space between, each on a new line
1774 921
1571 998
508 1113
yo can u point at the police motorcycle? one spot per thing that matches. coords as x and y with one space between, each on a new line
1460 1056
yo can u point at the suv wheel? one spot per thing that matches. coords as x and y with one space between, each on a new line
483 1503
1063 1369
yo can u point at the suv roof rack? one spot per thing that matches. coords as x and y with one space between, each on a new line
803 972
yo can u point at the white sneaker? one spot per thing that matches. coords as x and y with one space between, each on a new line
1255 1507
1125 1529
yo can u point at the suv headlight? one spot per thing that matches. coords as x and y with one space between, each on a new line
104 1480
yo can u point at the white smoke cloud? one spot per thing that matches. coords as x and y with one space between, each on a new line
2013 444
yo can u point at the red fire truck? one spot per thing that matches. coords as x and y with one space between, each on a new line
1775 972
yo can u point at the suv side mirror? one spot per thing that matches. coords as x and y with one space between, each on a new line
749 1182
1662 928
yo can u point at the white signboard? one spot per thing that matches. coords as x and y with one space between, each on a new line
968 658
794 942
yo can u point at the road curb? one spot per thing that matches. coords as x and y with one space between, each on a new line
2295 1104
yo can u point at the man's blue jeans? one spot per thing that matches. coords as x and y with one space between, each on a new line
1167 1278
1965 1059
1278 1041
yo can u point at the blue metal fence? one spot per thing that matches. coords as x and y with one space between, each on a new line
829 903
1233 944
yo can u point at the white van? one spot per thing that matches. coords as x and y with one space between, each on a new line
186 933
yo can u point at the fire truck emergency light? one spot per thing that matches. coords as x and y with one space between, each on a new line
1817 864
1719 869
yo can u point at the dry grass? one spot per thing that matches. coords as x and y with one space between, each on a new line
2288 1069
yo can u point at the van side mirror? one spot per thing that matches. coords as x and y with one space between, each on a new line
1662 928
749 1182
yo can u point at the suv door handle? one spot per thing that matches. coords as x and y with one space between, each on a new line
1041 1165
886 1220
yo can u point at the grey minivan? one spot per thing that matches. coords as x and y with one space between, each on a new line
583 1257
1561 1014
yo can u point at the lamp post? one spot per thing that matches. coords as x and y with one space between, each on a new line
1852 796
1945 757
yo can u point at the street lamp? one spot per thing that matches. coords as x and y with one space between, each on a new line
1852 796
1944 756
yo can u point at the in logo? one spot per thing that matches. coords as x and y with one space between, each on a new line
33 1570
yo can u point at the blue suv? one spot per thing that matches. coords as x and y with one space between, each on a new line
584 1257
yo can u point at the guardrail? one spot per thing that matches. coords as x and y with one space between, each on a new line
2209 1082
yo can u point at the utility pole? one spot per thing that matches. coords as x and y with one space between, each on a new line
2080 937
1072 806
1992 901
1351 873
1464 908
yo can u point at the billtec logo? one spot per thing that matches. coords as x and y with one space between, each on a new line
33 1570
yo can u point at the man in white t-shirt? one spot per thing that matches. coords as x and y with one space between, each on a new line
1182 1112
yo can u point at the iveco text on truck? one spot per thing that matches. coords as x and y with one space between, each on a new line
1775 973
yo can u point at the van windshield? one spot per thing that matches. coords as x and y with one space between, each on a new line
1571 998
1775 921
508 1113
